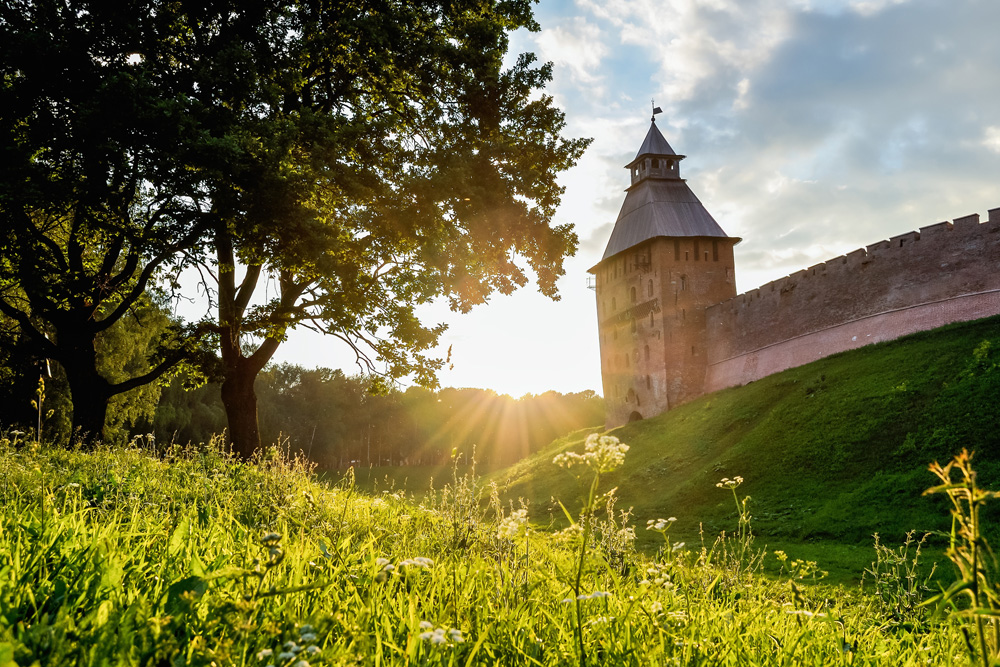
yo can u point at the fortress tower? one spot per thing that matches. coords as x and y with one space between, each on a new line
666 262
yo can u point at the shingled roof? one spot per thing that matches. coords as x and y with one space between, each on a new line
658 205
653 144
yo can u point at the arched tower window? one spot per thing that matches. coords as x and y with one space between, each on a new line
631 295
656 163
650 288
684 283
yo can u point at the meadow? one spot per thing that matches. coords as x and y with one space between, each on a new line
134 556
642 547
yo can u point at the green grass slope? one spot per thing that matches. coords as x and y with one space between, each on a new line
833 451
120 557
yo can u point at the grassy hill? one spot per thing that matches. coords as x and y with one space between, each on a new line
122 557
833 451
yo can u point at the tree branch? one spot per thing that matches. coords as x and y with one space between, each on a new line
144 276
246 289
46 347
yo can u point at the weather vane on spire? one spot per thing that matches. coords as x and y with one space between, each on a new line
656 110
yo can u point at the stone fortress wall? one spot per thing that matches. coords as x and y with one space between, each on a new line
943 273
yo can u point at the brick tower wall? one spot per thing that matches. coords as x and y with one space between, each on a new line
653 346
943 273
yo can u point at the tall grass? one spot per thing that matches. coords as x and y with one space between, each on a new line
123 557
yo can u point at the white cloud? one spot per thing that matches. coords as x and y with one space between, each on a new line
869 7
991 138
575 45
697 44
833 7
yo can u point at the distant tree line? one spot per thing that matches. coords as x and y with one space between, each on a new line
335 420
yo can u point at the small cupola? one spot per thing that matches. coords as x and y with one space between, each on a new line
655 159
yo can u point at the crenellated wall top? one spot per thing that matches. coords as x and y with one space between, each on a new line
886 250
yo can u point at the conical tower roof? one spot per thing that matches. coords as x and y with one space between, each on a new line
659 202
653 144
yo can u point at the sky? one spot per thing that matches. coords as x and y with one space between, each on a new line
812 128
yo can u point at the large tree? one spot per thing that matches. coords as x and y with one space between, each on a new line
348 160
96 198
388 157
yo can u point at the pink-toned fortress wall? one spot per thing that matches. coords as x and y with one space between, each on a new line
948 272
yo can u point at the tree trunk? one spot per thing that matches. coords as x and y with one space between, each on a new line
89 391
240 402
240 370
90 408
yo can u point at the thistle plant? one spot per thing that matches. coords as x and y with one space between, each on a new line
602 454
971 554
38 403
899 586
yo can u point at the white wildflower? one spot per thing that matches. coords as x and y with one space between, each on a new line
602 453
727 483
593 596
438 636
514 526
